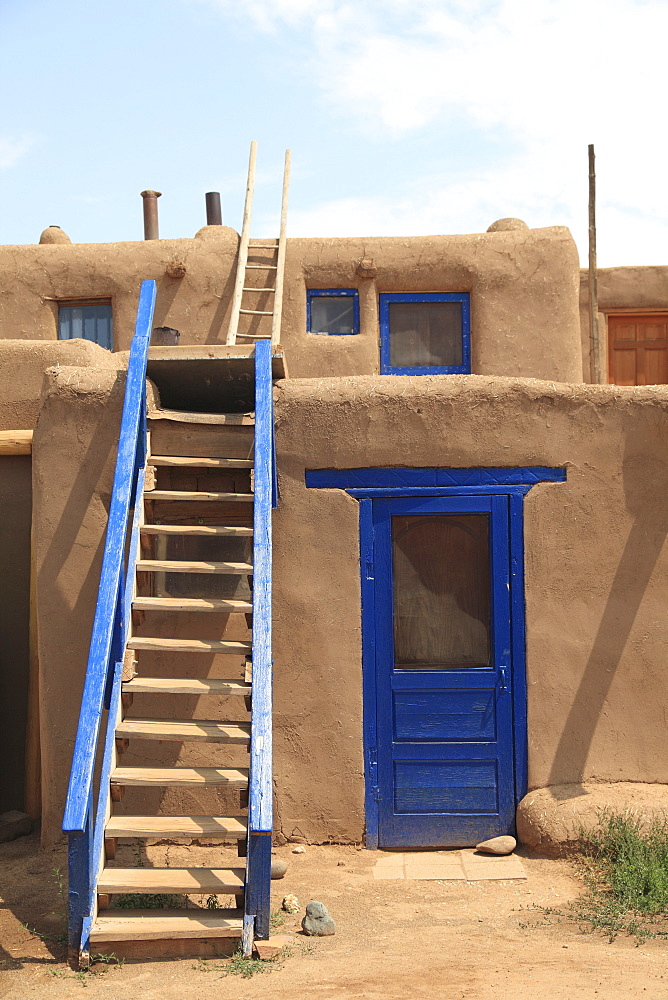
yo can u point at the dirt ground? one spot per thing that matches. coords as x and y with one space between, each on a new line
427 940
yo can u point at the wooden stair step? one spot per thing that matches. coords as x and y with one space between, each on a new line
195 529
158 644
190 730
180 776
155 925
232 827
197 495
184 685
198 417
194 566
181 461
226 606
188 880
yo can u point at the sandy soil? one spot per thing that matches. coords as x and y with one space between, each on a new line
426 940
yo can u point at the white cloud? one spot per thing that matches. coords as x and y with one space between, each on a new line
548 76
13 150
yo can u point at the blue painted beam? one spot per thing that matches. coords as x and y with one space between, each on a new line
105 623
399 478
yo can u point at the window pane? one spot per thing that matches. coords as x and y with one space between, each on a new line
332 314
441 590
425 334
87 322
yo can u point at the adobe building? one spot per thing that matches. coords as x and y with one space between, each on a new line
470 577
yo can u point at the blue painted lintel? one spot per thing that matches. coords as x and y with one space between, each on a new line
406 478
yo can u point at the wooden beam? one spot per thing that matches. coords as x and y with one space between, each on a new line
15 442
593 276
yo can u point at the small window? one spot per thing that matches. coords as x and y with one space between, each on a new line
425 334
333 311
86 320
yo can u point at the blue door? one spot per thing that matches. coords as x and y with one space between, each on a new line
443 770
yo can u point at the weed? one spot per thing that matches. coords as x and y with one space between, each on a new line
624 864
212 903
108 960
246 967
277 919
149 901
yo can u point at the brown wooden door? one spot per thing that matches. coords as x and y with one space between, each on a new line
638 349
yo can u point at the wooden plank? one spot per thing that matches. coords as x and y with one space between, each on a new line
205 440
179 461
226 606
242 259
15 442
151 925
280 272
180 776
187 495
232 827
188 566
186 730
184 685
32 802
196 417
189 645
196 529
188 880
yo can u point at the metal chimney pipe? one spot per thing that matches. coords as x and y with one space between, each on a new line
214 213
151 214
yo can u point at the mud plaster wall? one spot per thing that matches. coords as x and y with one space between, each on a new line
620 289
523 285
596 572
596 567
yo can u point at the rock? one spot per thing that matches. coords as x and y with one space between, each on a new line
299 849
278 867
317 922
273 947
551 820
14 824
291 904
497 845
341 864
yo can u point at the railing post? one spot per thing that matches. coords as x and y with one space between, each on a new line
79 896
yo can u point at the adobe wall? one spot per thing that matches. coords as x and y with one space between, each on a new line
596 571
523 285
623 289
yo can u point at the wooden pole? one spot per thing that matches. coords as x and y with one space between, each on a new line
278 297
593 278
243 248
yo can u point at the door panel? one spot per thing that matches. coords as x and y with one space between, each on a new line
638 349
443 670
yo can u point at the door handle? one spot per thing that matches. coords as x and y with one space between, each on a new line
503 679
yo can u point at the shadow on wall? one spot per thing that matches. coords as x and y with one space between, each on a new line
645 479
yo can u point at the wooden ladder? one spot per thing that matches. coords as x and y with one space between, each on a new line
191 503
267 258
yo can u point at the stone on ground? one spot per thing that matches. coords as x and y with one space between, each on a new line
497 845
317 922
278 867
291 904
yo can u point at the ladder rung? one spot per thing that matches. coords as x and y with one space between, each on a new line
203 463
159 644
273 267
168 880
182 685
263 246
191 730
180 776
255 312
198 495
248 289
192 566
256 336
226 606
195 529
177 826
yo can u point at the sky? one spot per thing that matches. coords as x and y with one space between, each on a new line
404 117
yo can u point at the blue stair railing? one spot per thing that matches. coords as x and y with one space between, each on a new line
84 820
260 807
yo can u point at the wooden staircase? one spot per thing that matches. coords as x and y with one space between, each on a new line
197 622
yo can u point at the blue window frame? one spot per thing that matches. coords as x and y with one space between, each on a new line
333 311
425 333
91 320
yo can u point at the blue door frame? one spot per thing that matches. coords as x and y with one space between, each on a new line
398 487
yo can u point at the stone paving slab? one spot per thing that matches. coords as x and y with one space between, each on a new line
465 865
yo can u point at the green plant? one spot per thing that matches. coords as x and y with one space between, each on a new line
149 901
277 919
212 903
624 864
108 960
246 967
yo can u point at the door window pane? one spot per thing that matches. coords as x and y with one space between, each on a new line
441 577
425 334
